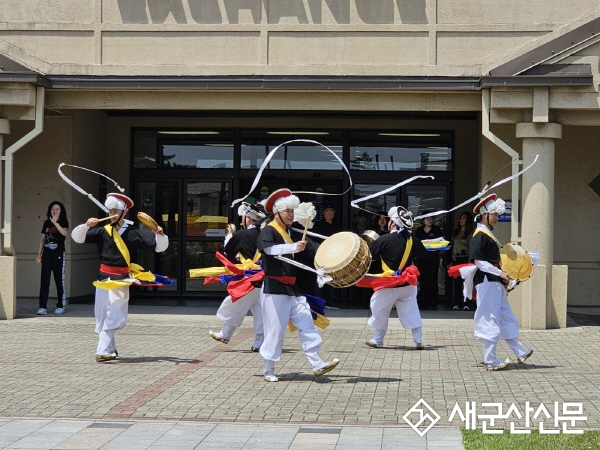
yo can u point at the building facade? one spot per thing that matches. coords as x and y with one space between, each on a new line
181 100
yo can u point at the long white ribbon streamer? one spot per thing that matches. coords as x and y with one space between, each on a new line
483 191
385 191
79 189
270 156
321 277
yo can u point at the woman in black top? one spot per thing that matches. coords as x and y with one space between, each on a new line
52 256
460 255
428 265
380 224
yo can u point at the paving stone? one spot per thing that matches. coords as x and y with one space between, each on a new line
171 371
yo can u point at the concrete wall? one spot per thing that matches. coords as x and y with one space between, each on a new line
577 206
577 212
311 37
88 150
78 139
36 184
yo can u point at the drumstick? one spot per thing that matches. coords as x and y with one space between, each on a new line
108 218
306 228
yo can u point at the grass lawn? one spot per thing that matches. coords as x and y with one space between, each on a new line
476 440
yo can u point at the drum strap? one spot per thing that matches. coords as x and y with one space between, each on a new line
489 233
406 253
284 234
119 242
387 271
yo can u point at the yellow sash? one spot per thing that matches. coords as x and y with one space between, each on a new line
246 264
286 237
387 272
135 270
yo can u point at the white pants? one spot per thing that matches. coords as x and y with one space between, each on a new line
489 351
232 315
405 299
110 310
277 311
494 319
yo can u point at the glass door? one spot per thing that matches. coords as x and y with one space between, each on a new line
207 214
160 200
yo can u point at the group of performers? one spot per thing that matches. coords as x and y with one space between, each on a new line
261 264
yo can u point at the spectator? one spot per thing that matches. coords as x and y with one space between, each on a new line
460 255
380 225
428 265
360 223
52 256
327 227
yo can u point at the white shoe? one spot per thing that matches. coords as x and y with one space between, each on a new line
500 366
525 357
106 357
59 311
271 378
328 368
216 337
371 343
455 308
466 308
42 312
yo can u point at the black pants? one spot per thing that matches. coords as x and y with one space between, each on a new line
428 281
53 262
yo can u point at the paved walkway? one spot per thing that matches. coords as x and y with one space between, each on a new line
175 387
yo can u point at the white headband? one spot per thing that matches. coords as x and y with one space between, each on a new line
289 202
115 203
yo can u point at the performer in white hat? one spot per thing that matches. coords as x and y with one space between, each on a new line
282 301
232 313
114 242
494 318
393 255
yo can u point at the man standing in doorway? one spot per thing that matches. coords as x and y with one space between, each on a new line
326 227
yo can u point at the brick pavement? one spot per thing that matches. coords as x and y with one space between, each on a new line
171 370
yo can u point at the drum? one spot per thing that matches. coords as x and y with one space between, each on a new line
147 220
369 236
345 258
516 262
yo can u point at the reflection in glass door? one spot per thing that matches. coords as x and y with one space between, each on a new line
428 198
207 214
160 201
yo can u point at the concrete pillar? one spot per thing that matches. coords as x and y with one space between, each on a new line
537 223
8 269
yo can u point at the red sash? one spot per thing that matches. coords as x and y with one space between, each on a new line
113 270
408 275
